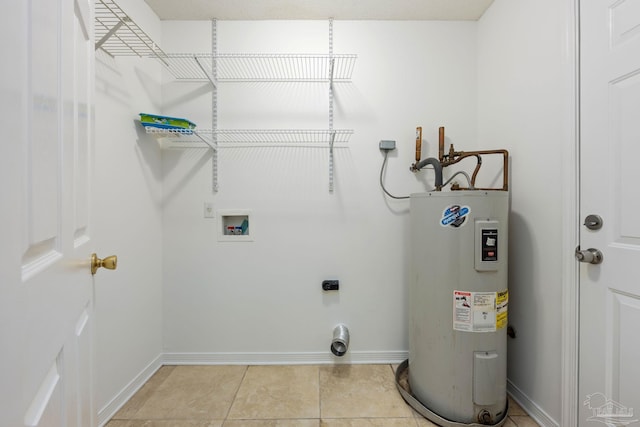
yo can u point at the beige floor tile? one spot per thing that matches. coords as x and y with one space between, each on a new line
140 397
163 423
194 393
368 422
509 423
514 408
271 423
277 392
423 422
360 391
523 421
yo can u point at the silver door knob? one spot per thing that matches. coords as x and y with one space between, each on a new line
591 255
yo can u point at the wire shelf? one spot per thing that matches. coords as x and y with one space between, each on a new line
282 136
183 136
255 136
234 67
118 35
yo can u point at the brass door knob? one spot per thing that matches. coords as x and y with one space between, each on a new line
110 263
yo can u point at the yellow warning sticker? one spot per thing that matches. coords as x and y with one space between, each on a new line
502 309
480 311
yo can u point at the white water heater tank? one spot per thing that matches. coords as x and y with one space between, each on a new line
458 302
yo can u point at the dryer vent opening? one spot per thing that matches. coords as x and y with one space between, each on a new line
340 341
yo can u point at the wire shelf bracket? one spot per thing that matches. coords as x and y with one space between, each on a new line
118 35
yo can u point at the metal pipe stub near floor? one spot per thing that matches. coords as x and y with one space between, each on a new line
402 383
340 341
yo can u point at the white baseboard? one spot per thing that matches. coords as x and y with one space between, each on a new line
320 358
530 407
110 409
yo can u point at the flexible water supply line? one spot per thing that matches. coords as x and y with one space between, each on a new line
437 167
463 173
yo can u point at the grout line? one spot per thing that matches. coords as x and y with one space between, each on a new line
235 395
319 396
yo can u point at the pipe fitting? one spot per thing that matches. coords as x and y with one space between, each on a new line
340 341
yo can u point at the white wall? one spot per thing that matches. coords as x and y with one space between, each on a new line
127 212
524 105
227 300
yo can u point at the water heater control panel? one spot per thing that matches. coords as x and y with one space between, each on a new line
486 245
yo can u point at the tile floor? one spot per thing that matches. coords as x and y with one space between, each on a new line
276 396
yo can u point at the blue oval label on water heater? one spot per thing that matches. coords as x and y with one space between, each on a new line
454 216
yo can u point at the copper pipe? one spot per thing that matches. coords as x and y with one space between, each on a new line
418 143
456 157
476 170
441 143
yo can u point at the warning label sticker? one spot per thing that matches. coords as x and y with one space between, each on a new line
479 311
502 302
461 311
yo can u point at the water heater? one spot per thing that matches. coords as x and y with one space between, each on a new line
458 300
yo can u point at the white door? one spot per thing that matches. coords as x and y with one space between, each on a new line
46 314
609 361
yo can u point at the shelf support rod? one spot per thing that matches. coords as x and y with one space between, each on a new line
332 63
214 147
333 137
332 134
111 32
214 102
206 72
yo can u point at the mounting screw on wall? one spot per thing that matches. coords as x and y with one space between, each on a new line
330 285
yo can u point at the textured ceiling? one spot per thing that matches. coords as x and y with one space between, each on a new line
320 9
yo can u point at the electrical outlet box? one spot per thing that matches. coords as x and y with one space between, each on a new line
387 145
209 212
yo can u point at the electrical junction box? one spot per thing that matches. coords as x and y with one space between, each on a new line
387 145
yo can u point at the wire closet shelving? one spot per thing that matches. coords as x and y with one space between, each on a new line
118 35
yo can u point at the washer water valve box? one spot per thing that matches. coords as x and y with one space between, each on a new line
234 225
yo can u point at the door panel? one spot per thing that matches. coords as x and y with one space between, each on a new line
624 361
625 20
609 155
625 134
43 142
83 86
46 407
